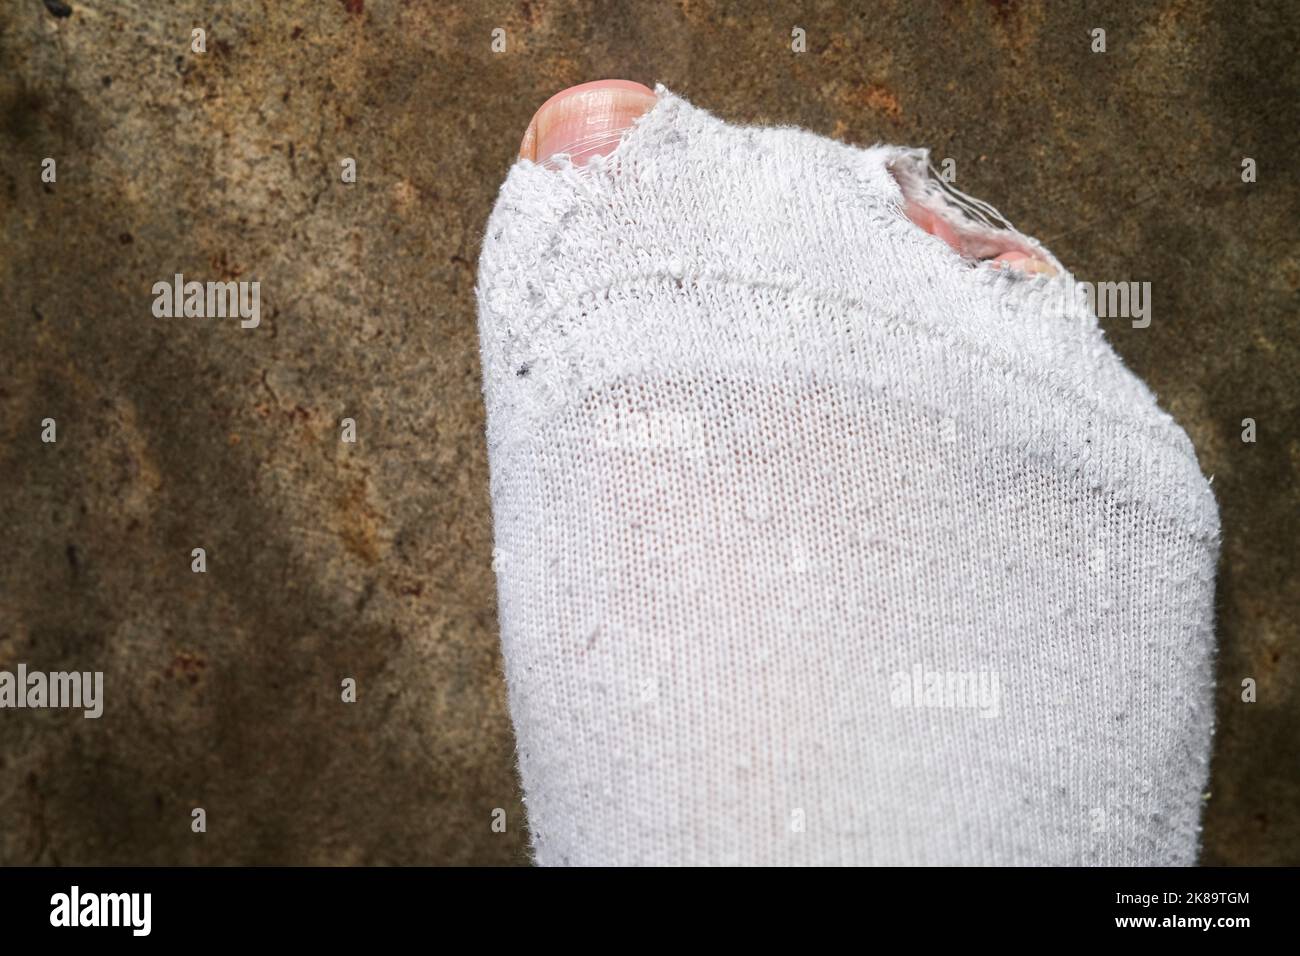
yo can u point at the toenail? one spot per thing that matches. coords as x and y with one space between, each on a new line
1023 262
585 120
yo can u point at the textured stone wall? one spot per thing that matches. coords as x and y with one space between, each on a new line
372 560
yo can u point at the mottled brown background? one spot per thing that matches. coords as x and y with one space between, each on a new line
373 560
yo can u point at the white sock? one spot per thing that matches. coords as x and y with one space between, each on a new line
817 543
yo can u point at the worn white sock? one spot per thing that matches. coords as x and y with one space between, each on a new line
817 543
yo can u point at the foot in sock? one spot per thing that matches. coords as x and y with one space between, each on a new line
817 540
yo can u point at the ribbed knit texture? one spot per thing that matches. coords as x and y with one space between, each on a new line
758 446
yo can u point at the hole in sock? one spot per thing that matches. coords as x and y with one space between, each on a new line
974 229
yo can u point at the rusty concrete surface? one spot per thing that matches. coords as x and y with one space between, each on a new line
372 560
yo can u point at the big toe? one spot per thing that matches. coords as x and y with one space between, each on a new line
585 120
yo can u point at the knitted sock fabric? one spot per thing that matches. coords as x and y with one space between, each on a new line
817 543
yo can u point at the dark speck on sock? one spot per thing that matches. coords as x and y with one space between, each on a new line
58 8
524 370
